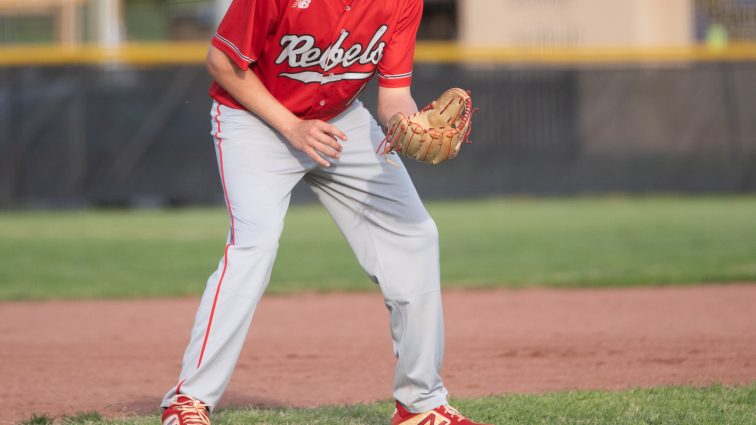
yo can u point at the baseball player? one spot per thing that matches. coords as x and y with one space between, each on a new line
287 76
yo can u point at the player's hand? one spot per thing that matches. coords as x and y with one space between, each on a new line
317 139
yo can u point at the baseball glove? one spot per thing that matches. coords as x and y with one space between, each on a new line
434 134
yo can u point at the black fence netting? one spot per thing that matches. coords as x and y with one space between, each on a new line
119 135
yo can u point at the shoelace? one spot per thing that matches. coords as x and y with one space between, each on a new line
453 412
192 412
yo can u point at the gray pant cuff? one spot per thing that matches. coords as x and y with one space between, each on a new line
425 405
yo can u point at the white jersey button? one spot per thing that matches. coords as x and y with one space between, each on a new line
348 8
322 103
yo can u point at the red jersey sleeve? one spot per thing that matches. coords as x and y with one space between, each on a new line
242 32
395 68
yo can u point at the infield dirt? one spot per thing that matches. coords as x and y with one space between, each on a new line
119 357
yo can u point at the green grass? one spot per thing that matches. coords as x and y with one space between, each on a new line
501 242
78 419
656 406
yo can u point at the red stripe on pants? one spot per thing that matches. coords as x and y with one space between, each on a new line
228 245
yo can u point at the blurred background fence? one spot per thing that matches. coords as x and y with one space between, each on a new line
104 102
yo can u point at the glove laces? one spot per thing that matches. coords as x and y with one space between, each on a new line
192 412
388 145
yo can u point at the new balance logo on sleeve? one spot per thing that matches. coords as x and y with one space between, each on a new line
301 4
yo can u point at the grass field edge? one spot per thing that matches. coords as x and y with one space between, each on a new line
383 408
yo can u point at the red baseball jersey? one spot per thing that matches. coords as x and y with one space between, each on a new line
316 56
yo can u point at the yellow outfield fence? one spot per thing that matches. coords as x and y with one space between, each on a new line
153 54
83 132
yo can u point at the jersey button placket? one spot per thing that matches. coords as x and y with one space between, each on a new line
342 24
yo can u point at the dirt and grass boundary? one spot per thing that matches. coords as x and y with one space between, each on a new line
118 357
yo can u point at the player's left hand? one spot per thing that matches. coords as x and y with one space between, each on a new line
436 133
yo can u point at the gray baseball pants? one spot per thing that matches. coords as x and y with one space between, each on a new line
375 206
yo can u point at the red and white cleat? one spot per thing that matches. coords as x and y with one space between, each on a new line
441 415
185 410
